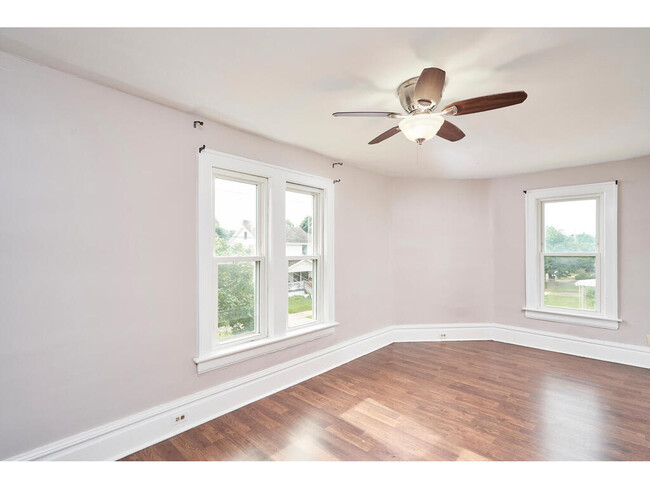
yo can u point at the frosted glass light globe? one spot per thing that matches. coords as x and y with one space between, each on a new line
422 127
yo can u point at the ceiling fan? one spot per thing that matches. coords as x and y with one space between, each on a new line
420 96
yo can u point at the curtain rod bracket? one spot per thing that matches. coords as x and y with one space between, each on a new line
336 181
200 122
334 164
201 148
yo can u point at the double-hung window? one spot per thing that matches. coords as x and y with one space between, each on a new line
571 255
265 259
304 256
239 257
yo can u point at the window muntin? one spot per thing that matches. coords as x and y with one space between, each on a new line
303 249
569 254
238 256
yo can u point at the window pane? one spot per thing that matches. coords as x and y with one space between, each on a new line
235 214
299 222
570 226
236 309
570 282
302 292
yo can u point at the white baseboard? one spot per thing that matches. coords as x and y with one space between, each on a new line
441 332
614 352
117 439
120 438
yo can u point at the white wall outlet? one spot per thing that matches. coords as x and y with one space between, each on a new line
178 419
443 336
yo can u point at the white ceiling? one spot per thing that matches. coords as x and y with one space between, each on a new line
587 96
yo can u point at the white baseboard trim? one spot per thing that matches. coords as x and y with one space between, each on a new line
120 438
614 352
117 439
441 332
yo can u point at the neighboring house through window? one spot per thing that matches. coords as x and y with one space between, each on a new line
266 275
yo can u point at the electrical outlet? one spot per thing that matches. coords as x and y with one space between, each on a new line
443 336
177 419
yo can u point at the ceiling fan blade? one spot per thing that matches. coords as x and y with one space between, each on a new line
428 89
385 135
489 102
450 132
366 114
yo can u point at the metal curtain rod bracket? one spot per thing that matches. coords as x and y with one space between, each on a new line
336 163
201 148
525 191
336 181
200 122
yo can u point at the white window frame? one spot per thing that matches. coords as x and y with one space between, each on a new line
606 255
317 250
260 257
273 312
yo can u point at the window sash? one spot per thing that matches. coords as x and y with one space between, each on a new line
543 254
542 281
317 218
542 216
317 298
260 272
315 258
261 184
260 327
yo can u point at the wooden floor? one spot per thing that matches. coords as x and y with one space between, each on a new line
479 400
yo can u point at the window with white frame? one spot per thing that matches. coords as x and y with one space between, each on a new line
265 262
571 255
303 247
239 256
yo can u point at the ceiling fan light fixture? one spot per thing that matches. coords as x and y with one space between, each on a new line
421 127
420 95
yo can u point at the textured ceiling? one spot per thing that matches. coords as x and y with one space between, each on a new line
587 96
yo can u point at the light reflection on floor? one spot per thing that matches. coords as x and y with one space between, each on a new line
571 416
408 438
304 445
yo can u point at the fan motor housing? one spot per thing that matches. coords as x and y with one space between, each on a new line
406 95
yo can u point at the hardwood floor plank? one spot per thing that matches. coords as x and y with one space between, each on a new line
466 401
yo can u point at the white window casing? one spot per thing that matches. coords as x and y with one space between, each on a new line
273 331
605 255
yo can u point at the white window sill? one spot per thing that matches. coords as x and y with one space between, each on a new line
261 347
574 318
